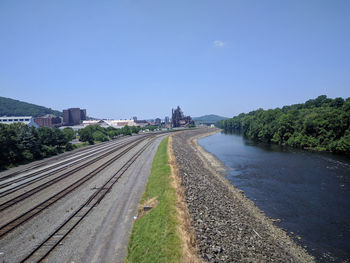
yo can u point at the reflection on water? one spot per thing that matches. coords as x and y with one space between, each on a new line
309 192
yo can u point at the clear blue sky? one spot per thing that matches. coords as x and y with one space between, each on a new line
124 58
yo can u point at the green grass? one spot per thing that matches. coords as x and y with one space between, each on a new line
154 237
81 144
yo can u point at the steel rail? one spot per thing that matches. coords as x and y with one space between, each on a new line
48 245
32 191
15 188
8 227
62 162
42 162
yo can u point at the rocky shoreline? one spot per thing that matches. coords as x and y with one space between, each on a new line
228 226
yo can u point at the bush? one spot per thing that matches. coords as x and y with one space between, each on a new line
99 136
48 150
69 147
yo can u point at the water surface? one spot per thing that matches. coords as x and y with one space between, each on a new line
309 192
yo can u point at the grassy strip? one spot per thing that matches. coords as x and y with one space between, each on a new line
81 144
154 236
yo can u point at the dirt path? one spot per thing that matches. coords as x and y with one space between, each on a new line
228 226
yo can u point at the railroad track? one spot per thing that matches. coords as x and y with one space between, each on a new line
8 181
48 245
62 165
32 191
43 162
13 224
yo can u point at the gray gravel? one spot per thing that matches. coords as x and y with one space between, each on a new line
62 164
103 236
228 227
110 222
37 198
40 164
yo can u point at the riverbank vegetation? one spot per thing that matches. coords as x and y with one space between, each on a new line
22 144
321 124
154 236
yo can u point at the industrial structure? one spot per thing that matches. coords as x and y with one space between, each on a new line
73 116
28 120
115 123
48 120
142 123
166 120
178 119
120 123
100 123
157 122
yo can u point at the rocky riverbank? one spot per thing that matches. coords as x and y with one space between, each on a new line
228 226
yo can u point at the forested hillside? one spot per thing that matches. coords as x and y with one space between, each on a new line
321 124
10 107
212 118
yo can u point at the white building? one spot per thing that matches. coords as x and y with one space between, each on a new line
74 127
101 123
28 120
110 123
120 123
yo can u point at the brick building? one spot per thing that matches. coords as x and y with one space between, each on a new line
48 121
73 116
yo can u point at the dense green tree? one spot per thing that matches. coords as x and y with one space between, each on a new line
135 129
113 132
126 130
320 124
100 136
20 143
151 127
343 144
93 133
69 133
86 134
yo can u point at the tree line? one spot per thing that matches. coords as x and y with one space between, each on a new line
22 144
93 133
321 124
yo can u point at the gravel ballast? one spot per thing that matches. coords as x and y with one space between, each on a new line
228 226
103 235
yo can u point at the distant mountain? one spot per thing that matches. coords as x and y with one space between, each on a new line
10 107
209 118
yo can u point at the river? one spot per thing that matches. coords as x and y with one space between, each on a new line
309 192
